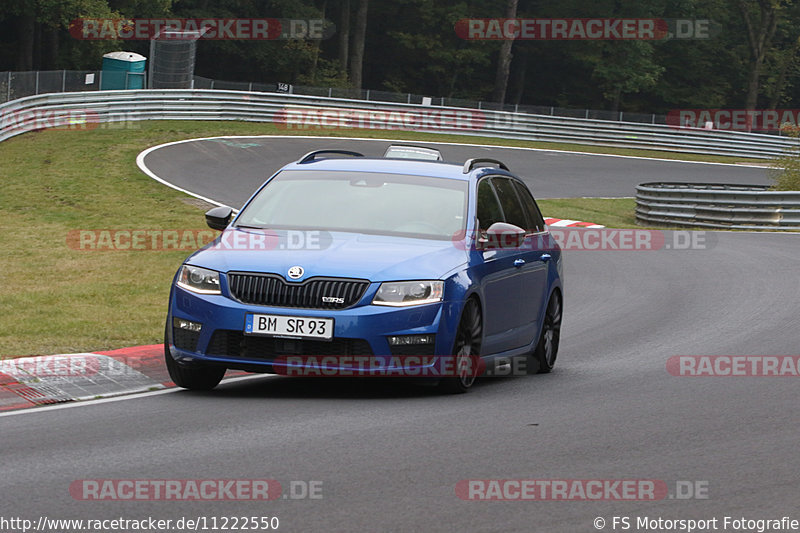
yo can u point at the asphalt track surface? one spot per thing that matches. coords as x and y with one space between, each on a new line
389 454
231 169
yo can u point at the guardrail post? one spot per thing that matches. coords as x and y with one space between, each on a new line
8 86
479 104
367 94
251 87
409 98
586 115
330 92
552 110
37 83
150 62
620 116
63 81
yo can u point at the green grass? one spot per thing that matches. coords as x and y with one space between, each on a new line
609 212
56 299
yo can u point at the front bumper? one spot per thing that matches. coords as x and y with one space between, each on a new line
360 334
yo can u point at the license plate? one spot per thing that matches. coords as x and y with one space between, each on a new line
289 326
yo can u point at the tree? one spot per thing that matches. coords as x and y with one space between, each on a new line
422 53
357 48
344 35
504 59
760 31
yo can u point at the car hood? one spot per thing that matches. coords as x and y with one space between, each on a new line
351 255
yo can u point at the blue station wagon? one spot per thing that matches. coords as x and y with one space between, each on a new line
378 266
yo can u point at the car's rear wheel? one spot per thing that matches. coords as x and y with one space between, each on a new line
192 377
543 358
466 350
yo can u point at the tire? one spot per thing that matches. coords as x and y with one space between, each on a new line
543 358
466 347
192 377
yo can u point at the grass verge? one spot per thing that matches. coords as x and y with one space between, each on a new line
609 212
56 299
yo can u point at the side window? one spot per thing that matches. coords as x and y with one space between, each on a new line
488 209
534 215
512 208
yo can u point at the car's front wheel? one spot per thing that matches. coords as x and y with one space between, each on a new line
466 350
543 358
192 377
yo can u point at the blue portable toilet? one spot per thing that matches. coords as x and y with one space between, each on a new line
123 70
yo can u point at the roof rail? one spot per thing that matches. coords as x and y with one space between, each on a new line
469 164
312 156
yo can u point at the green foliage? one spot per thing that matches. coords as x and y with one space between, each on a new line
785 170
412 46
439 62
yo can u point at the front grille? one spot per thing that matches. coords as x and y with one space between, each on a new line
183 339
413 349
274 290
234 343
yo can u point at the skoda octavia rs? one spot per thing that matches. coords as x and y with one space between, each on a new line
370 266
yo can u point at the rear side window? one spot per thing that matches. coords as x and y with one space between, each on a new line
488 209
531 208
512 207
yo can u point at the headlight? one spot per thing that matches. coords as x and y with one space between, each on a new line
404 293
200 280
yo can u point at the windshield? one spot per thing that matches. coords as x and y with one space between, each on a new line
360 202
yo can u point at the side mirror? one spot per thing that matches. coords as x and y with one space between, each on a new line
502 235
219 218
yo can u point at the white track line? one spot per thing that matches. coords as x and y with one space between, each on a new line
144 168
140 163
132 396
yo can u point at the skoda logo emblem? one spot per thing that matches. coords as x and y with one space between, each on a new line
296 272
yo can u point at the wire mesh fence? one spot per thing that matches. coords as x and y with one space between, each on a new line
15 85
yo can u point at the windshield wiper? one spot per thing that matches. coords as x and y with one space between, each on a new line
245 226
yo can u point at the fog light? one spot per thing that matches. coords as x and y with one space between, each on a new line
186 324
408 340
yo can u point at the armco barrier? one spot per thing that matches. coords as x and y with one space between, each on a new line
298 112
703 205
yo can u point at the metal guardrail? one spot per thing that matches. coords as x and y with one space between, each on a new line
15 85
702 205
311 113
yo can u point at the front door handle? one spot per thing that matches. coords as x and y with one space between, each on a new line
519 262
